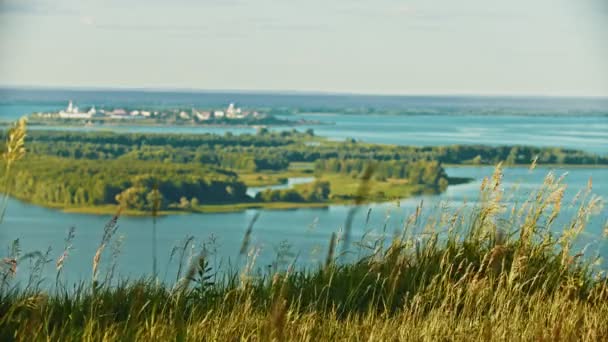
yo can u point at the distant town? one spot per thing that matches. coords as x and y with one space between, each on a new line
231 115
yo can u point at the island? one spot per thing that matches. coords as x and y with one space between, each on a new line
157 174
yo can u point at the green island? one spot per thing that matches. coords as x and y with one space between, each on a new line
159 174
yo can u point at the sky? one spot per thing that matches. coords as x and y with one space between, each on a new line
524 47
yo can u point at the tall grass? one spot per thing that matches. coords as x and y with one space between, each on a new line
14 150
470 275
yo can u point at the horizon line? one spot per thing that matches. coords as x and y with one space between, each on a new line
295 92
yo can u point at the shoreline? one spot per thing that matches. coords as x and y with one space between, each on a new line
527 166
203 209
219 208
34 123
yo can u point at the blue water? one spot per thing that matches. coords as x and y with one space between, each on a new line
588 133
308 230
432 104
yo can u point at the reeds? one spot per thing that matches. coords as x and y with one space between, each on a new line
108 232
14 150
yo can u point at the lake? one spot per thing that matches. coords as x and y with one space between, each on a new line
308 230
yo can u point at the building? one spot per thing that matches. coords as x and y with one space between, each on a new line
230 111
234 112
202 116
72 112
118 114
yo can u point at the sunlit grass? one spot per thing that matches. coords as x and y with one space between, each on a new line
470 276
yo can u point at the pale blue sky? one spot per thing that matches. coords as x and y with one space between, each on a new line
546 47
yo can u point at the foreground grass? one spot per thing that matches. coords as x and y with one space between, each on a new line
470 275
142 311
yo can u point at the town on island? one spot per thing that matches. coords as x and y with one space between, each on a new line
231 115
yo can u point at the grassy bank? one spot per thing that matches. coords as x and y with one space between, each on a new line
465 275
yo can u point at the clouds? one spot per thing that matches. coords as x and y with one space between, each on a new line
87 20
351 45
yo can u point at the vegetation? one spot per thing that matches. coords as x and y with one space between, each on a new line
67 182
276 151
89 171
318 191
429 173
470 275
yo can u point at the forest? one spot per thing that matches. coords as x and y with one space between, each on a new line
267 150
64 182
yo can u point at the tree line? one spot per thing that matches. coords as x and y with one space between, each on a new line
55 181
428 173
276 150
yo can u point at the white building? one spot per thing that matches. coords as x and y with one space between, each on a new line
71 112
118 114
233 112
203 116
230 111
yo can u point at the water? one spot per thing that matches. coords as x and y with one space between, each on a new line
570 124
586 133
318 102
309 230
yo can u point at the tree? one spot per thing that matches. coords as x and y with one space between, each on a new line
321 189
194 202
184 203
477 160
